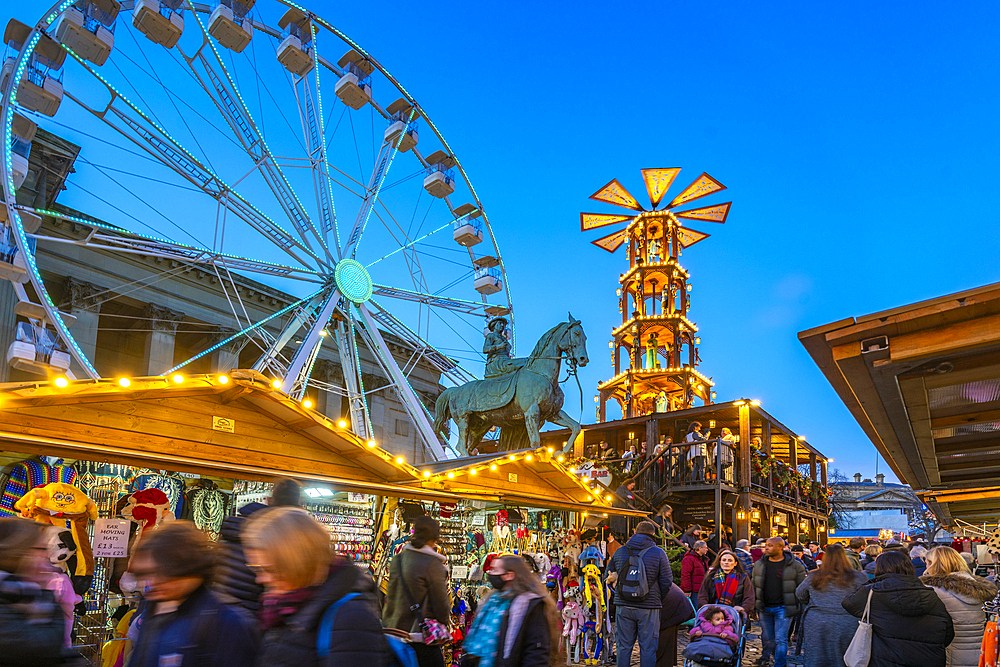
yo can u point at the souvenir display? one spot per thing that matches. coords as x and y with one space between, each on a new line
65 506
28 474
351 527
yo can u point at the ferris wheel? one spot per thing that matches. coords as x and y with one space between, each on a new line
254 139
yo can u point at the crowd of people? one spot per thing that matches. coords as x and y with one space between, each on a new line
272 593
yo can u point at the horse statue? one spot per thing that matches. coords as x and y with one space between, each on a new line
519 402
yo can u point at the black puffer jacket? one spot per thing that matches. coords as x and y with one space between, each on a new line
911 626
357 638
32 627
236 583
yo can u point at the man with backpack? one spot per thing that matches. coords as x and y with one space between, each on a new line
643 579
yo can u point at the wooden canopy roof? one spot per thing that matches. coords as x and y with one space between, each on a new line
229 426
527 478
923 381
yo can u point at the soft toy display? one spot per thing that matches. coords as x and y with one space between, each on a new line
147 509
573 620
65 506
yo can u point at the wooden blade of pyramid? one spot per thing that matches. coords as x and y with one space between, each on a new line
595 220
688 237
658 181
703 186
717 213
615 193
612 242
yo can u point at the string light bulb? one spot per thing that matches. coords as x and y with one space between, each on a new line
472 471
124 382
223 379
371 444
399 460
178 378
493 466
427 473
451 475
276 384
62 383
307 403
342 424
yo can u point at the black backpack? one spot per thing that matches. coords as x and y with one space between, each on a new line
633 586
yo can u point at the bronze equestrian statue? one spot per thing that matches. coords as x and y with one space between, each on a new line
518 395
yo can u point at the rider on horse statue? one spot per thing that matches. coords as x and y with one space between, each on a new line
496 347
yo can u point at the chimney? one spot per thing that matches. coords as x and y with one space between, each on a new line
857 478
880 479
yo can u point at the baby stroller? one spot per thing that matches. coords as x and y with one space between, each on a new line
712 651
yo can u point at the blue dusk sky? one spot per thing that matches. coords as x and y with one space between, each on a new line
858 141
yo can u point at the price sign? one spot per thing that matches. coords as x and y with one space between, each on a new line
512 477
478 519
111 538
357 497
460 572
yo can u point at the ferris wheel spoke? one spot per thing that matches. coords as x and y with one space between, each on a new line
222 88
414 407
435 300
350 361
140 244
302 316
387 153
445 364
248 330
138 128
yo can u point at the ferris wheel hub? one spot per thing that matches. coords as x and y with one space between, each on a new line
352 280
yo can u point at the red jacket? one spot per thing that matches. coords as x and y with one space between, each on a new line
693 569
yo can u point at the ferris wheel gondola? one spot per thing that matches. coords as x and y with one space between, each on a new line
215 119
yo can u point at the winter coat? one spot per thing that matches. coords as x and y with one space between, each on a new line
356 639
424 572
693 569
658 572
746 560
235 583
676 608
524 634
808 561
919 566
32 626
793 573
963 596
855 559
870 569
705 628
910 625
745 594
828 628
202 631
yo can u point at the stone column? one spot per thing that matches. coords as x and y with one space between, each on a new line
162 324
8 299
85 301
227 357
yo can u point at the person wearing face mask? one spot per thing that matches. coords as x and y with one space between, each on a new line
517 624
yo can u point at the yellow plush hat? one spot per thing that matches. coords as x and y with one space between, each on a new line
64 505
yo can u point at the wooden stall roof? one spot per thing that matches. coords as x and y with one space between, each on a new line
241 427
527 477
923 381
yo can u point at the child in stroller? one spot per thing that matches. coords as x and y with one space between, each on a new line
717 638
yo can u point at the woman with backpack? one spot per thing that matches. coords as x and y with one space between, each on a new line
418 576
517 624
317 608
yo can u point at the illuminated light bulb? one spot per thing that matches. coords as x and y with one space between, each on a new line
550 450
427 473
511 457
307 403
572 471
561 459
276 384
223 379
608 499
493 466
528 457
371 444
472 471
178 378
62 383
399 460
584 514
342 424
451 475
124 382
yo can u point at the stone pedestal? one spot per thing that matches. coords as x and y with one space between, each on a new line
162 324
